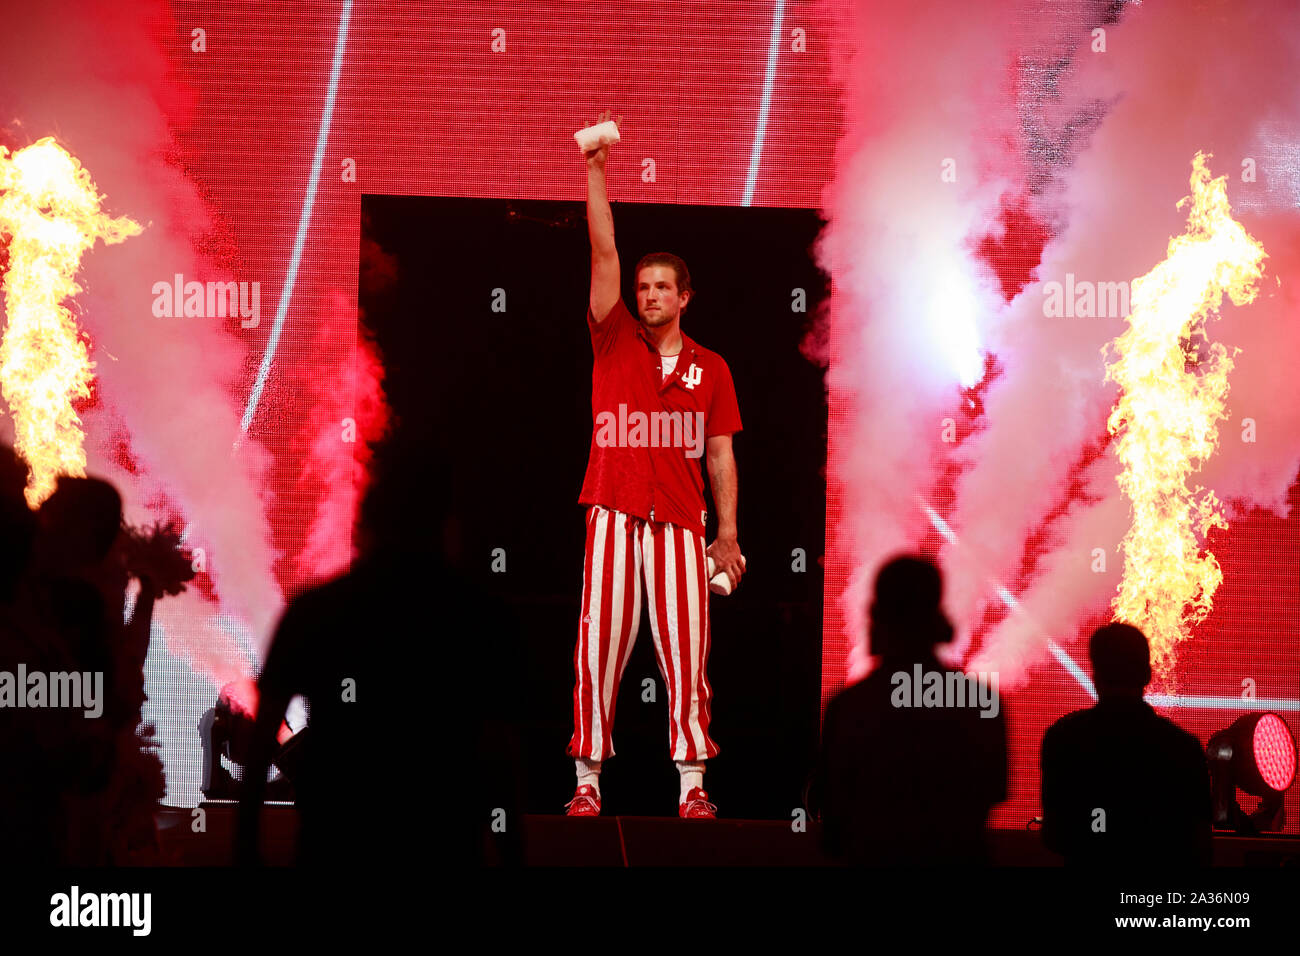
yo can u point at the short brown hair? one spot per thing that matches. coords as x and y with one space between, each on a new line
668 259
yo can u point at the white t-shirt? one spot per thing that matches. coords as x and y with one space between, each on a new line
668 363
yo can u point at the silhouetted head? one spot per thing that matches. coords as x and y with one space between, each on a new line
905 616
1121 660
81 520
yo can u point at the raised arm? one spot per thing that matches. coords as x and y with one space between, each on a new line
600 227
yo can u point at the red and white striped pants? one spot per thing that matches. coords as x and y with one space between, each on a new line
619 547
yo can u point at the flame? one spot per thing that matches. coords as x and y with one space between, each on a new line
50 210
1174 388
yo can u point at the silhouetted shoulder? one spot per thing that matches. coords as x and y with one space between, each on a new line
1180 740
327 594
854 694
1073 722
852 702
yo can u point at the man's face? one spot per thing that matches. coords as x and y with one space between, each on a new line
657 301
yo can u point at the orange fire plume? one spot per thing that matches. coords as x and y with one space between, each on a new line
50 211
1174 388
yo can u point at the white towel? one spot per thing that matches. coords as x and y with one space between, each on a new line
591 137
719 583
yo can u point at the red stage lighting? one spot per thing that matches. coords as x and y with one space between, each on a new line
1258 755
1275 751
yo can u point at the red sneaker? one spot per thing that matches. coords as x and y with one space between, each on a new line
585 803
697 806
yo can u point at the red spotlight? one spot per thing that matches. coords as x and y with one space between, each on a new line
1275 751
1258 755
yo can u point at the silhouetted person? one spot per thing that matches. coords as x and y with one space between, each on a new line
910 784
84 787
1121 784
410 674
17 528
31 821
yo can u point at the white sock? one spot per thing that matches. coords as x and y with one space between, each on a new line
692 774
588 773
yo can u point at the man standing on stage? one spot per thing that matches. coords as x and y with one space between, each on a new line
659 402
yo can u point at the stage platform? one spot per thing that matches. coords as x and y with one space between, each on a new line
664 841
554 840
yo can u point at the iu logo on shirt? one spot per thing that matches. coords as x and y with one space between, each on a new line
693 376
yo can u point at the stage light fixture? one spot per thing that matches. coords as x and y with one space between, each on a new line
227 733
1257 755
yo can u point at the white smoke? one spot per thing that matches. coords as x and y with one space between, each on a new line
927 81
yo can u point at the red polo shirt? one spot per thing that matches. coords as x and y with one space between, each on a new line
648 433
